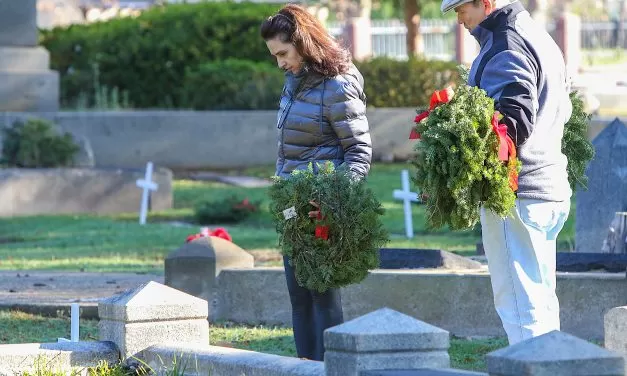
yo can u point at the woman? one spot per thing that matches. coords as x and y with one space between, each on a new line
322 117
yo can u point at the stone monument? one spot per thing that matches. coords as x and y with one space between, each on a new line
28 85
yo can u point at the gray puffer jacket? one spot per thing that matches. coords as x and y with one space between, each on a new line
323 119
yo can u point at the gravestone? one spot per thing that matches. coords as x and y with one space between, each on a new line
195 266
407 258
616 240
615 326
384 339
607 189
555 353
27 82
583 262
152 314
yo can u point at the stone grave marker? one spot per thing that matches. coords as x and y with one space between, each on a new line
407 196
607 189
27 82
407 258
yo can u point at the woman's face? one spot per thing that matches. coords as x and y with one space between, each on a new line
287 58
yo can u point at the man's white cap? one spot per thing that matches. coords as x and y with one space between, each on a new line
451 4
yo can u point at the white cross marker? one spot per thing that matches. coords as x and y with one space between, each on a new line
74 328
408 197
147 185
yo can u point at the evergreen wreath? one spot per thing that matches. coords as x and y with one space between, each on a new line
457 163
339 246
575 144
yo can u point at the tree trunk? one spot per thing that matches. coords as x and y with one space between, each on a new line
412 22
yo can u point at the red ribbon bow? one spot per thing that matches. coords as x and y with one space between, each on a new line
507 149
437 98
206 232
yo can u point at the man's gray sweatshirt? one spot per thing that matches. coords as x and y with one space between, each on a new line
523 70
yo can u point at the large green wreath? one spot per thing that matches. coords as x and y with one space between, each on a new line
457 164
352 214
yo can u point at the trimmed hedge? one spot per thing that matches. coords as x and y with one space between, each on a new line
206 56
232 85
244 85
394 83
147 55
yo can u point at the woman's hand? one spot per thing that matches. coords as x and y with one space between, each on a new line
315 213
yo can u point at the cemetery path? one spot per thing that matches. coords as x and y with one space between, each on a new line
47 293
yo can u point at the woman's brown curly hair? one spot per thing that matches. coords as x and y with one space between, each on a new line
320 51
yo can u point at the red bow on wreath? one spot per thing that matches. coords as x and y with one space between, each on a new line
507 149
322 231
437 98
206 232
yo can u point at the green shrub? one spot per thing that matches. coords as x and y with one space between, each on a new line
230 210
232 85
37 144
394 83
206 55
245 85
147 55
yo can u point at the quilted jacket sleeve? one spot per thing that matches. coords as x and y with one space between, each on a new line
347 115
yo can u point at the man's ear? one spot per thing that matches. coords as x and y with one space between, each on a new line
487 6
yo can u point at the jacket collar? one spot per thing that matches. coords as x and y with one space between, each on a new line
303 80
496 20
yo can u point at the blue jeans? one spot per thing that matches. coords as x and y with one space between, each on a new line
521 259
312 313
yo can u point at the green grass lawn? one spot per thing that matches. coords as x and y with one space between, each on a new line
118 243
16 327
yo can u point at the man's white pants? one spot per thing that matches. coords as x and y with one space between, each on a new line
521 251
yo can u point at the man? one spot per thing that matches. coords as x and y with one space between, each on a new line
523 70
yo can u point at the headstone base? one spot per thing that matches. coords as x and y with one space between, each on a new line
24 59
29 91
583 262
405 258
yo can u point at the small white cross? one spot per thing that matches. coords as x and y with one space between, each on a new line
408 197
74 328
147 185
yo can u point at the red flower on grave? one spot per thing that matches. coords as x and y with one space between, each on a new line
245 205
221 233
206 232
